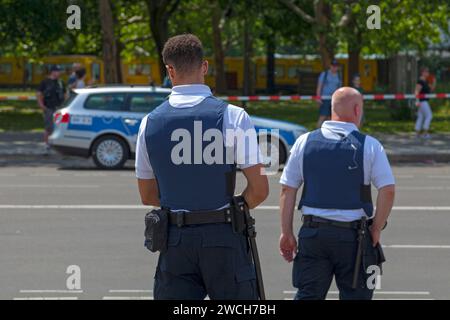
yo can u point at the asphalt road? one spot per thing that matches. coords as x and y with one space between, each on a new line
57 215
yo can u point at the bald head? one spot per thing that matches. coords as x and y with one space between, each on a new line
347 105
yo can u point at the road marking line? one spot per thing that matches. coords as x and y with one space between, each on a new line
431 208
376 292
404 299
133 207
51 291
128 298
47 298
422 188
129 291
69 206
410 246
400 208
89 174
49 186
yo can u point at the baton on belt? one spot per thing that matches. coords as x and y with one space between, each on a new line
361 242
243 214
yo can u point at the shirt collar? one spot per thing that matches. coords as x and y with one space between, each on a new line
192 90
339 126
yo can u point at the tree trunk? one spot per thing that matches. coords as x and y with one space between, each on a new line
160 35
159 13
354 41
219 55
322 14
248 51
270 59
353 63
325 55
111 54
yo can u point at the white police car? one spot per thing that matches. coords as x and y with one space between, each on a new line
104 122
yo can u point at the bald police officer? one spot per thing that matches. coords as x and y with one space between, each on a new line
204 255
336 165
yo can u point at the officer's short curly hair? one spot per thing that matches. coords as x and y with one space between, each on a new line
184 52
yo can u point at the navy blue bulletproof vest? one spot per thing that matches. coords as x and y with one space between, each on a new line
188 186
333 173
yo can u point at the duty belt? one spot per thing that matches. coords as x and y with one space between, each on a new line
311 221
183 218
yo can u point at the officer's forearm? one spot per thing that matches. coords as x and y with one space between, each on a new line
385 201
254 196
287 205
148 189
257 188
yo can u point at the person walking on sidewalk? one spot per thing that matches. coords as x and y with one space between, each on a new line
424 114
50 96
329 81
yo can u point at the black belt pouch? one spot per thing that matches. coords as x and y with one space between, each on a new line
157 230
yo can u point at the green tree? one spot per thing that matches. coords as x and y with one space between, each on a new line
159 12
27 28
110 43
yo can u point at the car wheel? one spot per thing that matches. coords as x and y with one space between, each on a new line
109 152
271 147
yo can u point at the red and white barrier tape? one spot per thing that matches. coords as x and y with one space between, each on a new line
397 96
17 98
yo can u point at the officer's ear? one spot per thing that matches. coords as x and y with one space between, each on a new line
170 71
358 110
205 66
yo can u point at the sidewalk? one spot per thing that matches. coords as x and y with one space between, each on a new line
406 147
399 147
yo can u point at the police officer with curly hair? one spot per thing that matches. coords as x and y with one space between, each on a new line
204 257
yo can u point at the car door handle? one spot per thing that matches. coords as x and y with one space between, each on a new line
131 122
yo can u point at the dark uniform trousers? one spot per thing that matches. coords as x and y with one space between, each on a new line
330 251
205 260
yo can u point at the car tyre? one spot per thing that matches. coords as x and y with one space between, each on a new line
110 152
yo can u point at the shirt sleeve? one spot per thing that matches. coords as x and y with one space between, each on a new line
143 167
42 86
246 149
321 78
292 175
381 173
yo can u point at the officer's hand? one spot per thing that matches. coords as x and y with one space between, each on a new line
288 246
376 235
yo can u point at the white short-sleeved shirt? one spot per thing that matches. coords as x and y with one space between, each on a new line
187 96
377 170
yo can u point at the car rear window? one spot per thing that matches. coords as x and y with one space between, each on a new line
146 102
106 102
72 97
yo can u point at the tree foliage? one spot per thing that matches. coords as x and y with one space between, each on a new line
33 28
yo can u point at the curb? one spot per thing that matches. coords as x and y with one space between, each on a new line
393 158
433 157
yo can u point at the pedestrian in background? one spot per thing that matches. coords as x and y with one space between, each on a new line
329 82
50 95
71 82
81 76
424 114
356 84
